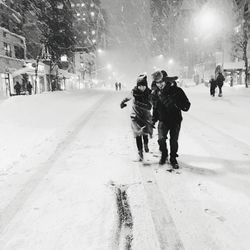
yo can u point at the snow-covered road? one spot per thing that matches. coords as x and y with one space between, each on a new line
63 156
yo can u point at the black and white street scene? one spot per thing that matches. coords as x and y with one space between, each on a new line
124 125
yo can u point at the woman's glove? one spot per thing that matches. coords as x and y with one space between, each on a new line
123 105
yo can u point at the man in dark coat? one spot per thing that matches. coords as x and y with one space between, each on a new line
168 102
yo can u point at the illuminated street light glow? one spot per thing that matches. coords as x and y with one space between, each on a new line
170 61
100 51
64 58
109 66
208 22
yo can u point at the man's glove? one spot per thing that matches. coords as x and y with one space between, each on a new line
123 105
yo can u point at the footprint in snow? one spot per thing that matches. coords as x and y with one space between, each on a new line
214 213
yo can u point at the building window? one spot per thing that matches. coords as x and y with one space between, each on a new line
7 49
5 22
19 52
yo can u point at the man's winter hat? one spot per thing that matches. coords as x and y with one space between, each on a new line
157 76
167 78
164 73
142 80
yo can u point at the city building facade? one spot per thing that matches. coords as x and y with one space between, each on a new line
12 46
90 25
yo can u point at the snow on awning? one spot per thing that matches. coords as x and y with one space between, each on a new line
27 70
233 65
30 70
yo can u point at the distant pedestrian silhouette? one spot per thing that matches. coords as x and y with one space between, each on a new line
29 88
219 79
213 85
17 88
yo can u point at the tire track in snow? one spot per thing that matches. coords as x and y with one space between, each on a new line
124 232
226 136
165 228
8 213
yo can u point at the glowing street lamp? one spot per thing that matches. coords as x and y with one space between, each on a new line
208 22
100 51
170 61
109 66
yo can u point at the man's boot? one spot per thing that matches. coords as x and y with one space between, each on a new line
163 159
164 151
174 163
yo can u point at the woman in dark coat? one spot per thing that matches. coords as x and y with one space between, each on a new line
141 119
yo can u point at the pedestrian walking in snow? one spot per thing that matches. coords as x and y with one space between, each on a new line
213 85
119 86
116 86
29 88
168 102
231 81
219 79
141 119
17 88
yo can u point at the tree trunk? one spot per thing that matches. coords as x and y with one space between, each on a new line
246 72
245 43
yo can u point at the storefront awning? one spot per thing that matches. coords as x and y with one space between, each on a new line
234 65
29 70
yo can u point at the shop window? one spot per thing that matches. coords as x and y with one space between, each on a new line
19 52
5 22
